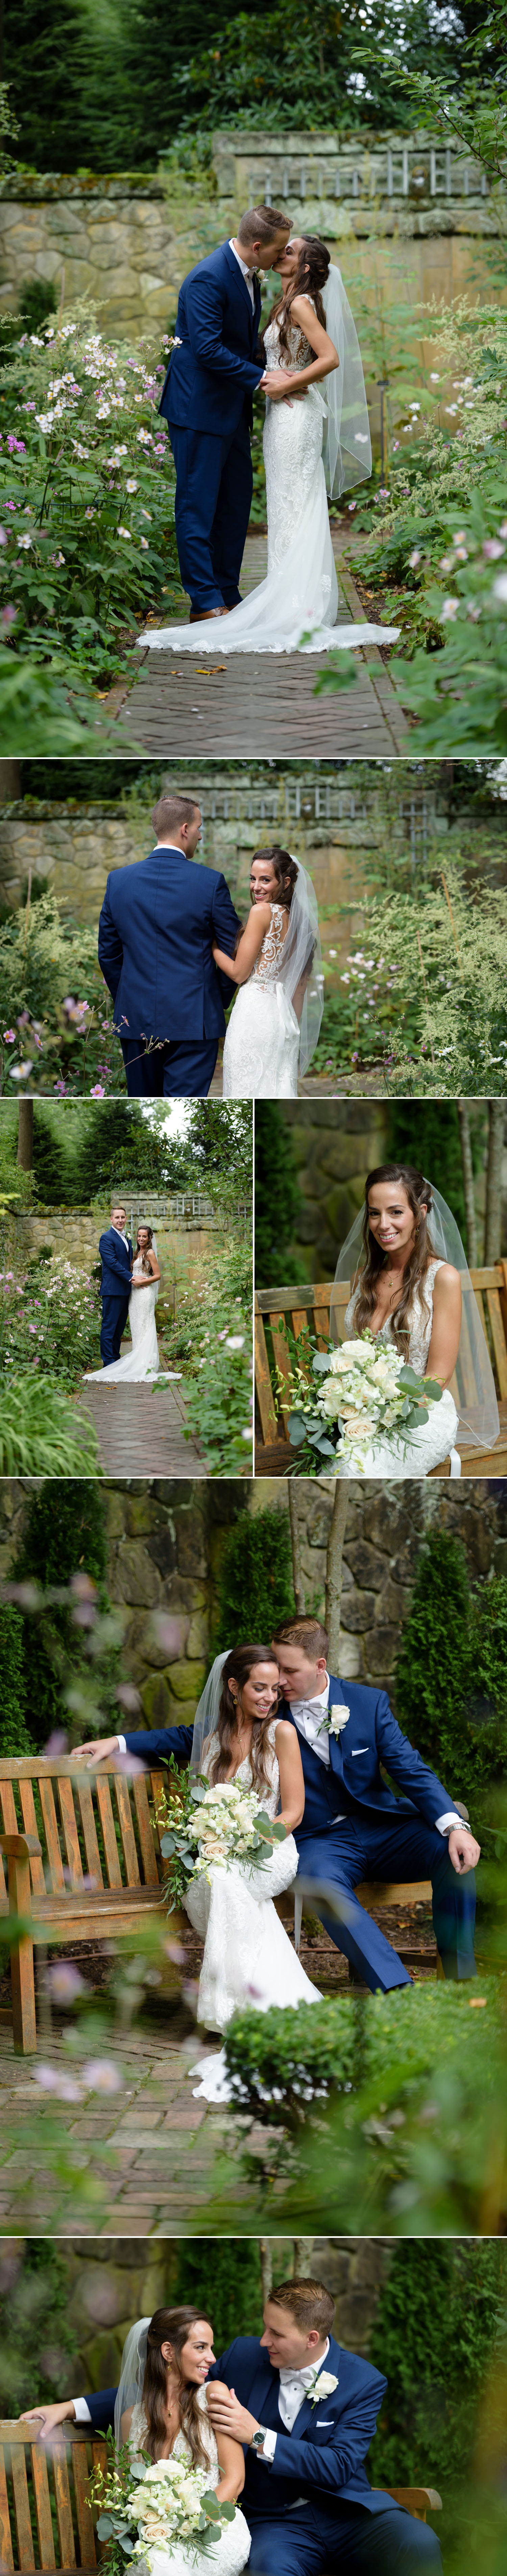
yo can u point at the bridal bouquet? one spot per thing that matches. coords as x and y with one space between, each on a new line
205 1827
363 1393
145 2506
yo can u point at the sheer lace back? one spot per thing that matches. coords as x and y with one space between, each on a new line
266 965
181 2447
300 350
420 1321
271 1796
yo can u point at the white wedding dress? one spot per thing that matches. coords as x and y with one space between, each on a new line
248 1958
230 2552
429 1446
301 590
262 1041
143 1358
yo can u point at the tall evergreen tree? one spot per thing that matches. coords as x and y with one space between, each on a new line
277 1196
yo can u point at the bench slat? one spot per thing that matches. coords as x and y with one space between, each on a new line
497 1336
108 1832
63 2508
126 1830
145 1830
283 1362
6 2550
9 1817
30 1824
67 1812
262 1377
52 1836
22 2509
43 2506
83 2506
93 1859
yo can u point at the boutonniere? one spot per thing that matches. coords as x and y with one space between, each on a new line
335 1719
323 2387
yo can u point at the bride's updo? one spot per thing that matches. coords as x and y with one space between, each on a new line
284 869
310 276
171 2325
238 1668
419 1197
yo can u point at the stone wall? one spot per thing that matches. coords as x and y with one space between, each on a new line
386 1527
126 239
113 2281
336 1143
73 1233
166 1543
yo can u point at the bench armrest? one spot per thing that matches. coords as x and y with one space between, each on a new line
415 2499
20 1846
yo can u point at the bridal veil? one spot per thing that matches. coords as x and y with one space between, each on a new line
472 1385
347 444
133 2365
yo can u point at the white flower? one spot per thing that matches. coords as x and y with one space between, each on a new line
324 2386
449 610
125 532
500 586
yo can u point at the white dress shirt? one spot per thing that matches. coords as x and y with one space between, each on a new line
118 1229
294 2386
308 1714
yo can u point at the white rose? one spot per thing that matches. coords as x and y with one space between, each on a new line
331 1397
356 1354
325 2385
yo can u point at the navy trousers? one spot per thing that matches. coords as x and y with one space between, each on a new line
114 1317
214 484
401 1848
182 1068
346 2539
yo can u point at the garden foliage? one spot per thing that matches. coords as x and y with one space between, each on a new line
451 1671
65 1536
39 1436
255 1585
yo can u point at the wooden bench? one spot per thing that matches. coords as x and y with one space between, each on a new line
45 2500
309 1305
83 1864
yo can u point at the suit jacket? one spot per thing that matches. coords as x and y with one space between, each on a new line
156 928
116 1259
212 375
323 2458
353 1785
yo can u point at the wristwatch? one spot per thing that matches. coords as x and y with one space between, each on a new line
258 2438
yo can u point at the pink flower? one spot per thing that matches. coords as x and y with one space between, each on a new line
102 2076
10 1035
98 1091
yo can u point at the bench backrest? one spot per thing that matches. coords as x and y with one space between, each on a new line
93 1825
299 1307
45 2511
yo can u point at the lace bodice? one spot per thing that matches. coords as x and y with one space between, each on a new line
420 1322
300 351
270 1797
267 963
181 2448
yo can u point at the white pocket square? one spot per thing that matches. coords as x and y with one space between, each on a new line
324 2423
359 1748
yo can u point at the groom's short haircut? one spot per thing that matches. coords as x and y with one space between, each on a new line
262 225
310 2304
307 1633
172 811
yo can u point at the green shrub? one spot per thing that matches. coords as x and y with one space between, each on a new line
230 2294
278 1197
39 1436
14 1737
255 1590
52 1323
451 1669
278 2061
65 1535
435 2329
40 2348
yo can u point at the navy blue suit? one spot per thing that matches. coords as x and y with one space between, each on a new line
315 2505
157 925
116 1257
380 1836
207 401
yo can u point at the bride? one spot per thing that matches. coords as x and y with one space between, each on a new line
161 2410
316 434
274 1027
143 1358
247 1955
412 1290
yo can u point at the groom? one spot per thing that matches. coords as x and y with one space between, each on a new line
353 1827
214 368
305 2411
116 1256
158 922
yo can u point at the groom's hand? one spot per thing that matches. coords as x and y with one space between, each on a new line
279 381
227 2416
464 1852
46 2419
96 1750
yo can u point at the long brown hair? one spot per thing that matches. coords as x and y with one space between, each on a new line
310 276
238 1668
285 871
423 1251
171 2325
141 1256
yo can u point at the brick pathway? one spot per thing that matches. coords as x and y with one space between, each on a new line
140 1433
177 707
